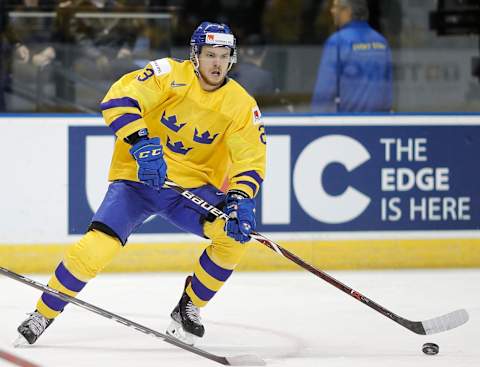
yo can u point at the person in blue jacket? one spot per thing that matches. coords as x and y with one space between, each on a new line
355 72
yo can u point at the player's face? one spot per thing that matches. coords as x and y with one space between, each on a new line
213 66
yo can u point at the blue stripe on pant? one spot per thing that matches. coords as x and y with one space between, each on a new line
213 269
200 290
67 280
54 303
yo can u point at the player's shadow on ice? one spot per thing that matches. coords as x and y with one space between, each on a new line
265 342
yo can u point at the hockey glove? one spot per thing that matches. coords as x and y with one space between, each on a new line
241 212
152 168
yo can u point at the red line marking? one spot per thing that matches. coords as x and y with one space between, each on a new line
16 360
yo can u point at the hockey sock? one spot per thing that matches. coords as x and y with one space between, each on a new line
215 265
82 262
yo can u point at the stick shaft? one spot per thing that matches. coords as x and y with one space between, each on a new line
417 327
111 315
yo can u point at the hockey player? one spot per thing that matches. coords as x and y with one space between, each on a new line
188 119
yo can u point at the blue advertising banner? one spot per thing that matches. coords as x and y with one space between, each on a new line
329 177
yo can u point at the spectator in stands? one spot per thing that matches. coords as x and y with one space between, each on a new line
90 46
99 39
249 71
355 72
10 44
33 26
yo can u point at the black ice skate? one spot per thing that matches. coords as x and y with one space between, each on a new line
31 329
186 324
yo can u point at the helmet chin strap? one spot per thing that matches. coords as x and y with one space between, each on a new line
196 63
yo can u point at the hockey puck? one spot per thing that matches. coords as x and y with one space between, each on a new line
430 348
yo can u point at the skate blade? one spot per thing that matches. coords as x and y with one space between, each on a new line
20 342
176 331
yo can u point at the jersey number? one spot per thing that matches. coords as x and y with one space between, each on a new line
263 136
146 74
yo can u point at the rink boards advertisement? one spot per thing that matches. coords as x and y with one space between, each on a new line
371 180
357 177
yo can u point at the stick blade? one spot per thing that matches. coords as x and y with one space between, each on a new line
445 322
246 360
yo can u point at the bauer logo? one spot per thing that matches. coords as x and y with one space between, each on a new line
328 178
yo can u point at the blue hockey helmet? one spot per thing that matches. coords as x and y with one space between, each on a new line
212 34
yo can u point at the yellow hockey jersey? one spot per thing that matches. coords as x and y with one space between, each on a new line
206 136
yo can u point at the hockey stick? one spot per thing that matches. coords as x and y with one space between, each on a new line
432 326
242 360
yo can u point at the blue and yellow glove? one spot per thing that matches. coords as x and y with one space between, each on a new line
241 212
152 168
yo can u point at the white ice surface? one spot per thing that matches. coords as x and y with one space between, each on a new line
288 319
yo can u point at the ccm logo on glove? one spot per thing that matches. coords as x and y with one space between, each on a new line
147 154
152 169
